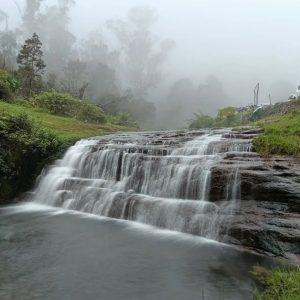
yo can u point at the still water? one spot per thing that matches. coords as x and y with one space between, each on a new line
48 253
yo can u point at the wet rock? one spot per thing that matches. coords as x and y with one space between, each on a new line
263 231
267 218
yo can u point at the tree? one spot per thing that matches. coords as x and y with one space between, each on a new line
75 76
102 81
58 40
182 101
8 50
31 66
227 115
51 24
31 16
143 53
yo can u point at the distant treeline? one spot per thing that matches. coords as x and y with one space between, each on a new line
118 79
119 67
226 117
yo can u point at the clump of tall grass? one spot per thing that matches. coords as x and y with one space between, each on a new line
281 136
280 284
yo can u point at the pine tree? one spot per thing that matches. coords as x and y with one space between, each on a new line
31 66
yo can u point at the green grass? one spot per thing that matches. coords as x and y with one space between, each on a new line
281 135
64 128
279 284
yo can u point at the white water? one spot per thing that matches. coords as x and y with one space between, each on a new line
158 179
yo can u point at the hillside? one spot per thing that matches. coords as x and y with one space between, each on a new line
62 127
31 138
281 124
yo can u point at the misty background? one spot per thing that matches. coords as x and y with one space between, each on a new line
162 61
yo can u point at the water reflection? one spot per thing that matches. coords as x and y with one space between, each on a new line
51 255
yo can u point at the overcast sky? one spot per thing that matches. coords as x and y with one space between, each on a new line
240 41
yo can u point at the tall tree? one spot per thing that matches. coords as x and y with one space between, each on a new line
143 53
51 24
58 40
31 17
8 50
102 65
75 76
31 66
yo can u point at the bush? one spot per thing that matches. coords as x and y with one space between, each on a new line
25 149
56 103
124 119
18 124
65 105
202 121
90 113
227 117
8 85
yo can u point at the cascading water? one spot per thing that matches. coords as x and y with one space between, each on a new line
159 178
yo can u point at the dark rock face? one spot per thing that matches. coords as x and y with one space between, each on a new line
267 216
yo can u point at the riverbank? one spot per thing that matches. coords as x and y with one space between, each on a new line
280 123
280 284
30 139
281 135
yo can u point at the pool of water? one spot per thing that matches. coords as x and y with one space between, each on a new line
51 253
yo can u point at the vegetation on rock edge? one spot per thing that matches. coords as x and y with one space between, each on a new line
279 284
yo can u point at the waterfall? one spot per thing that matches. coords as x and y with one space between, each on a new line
157 178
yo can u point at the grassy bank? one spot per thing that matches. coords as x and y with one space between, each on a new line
279 284
29 139
281 124
281 135
63 127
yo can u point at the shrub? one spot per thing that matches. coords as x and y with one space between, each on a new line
56 103
8 85
90 113
25 149
19 123
124 119
227 117
202 121
65 105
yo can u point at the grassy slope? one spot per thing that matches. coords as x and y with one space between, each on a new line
280 284
64 128
281 135
24 154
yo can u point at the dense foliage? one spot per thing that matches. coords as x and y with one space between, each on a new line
65 105
227 117
279 284
202 121
30 138
24 149
124 119
8 86
47 57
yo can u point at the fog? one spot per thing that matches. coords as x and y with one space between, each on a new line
206 54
